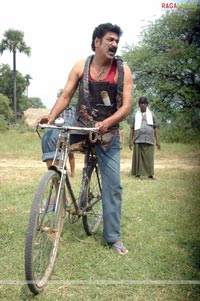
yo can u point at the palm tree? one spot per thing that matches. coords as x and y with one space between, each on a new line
14 41
27 79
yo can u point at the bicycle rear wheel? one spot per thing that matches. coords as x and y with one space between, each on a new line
91 200
43 233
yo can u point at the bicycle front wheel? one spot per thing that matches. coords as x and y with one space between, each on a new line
43 233
91 200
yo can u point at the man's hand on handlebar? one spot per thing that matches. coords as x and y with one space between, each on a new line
101 127
44 119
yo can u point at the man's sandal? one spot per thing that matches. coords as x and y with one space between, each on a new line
120 249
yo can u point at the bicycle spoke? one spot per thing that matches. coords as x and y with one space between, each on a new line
92 201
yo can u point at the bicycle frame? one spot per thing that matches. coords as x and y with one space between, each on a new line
64 148
48 210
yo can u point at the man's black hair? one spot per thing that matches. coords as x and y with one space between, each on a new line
143 99
102 29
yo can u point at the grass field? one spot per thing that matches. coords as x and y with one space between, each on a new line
160 227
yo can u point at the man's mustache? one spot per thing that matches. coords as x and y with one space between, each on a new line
112 49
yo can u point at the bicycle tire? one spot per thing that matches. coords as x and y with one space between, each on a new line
91 200
43 232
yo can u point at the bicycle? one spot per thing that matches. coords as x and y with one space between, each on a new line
48 210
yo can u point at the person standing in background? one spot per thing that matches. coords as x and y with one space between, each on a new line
143 130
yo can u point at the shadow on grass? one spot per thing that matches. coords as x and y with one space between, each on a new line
76 232
193 248
26 294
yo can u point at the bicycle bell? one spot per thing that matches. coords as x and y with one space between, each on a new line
59 121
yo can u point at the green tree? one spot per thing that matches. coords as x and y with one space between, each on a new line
35 102
14 41
5 111
27 79
6 80
6 86
166 65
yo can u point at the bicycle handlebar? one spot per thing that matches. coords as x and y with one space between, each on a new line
66 128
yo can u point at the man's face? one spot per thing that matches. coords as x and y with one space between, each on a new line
143 106
108 44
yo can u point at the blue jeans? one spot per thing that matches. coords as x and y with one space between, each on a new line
109 164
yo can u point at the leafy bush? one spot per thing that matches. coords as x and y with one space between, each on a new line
171 134
3 123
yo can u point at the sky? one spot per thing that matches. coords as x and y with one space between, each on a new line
60 34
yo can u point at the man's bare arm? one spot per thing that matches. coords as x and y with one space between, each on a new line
66 96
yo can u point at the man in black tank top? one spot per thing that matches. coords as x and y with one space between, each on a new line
106 116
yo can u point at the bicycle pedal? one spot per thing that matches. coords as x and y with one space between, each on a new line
44 229
54 230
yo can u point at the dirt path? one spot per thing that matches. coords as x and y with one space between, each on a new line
22 170
125 163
